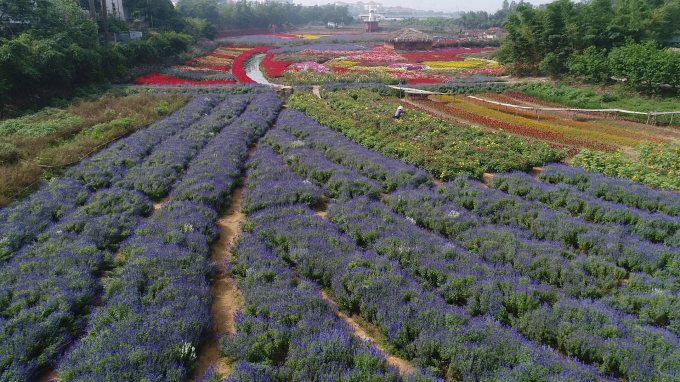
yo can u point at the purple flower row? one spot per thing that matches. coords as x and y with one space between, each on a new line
654 300
169 160
417 322
112 163
337 182
269 182
495 289
21 222
287 331
157 305
612 243
48 288
213 173
618 190
390 173
655 227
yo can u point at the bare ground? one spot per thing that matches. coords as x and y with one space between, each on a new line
365 330
227 298
536 171
157 206
49 376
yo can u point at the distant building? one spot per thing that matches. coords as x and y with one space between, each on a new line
408 39
371 25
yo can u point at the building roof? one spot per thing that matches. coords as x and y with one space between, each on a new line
408 35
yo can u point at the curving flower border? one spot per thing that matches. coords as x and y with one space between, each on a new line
238 71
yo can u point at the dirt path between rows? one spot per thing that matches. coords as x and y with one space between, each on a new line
159 205
227 298
405 367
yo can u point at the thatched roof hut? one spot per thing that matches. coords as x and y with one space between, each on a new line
408 38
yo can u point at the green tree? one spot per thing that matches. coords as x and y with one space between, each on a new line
201 9
593 65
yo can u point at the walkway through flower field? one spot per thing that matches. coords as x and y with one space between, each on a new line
253 70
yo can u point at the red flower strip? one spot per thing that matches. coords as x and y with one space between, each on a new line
162 79
274 68
425 81
521 130
238 71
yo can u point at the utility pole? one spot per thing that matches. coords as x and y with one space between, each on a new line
106 22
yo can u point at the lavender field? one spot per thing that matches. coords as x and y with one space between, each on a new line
108 273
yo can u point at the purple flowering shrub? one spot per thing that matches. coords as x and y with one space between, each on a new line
287 332
112 163
213 173
655 227
157 305
617 190
337 181
49 287
169 160
417 323
270 183
21 222
390 173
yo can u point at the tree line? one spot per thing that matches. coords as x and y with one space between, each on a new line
597 39
245 14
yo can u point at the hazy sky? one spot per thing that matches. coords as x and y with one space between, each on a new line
435 5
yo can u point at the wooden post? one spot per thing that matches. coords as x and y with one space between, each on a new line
672 115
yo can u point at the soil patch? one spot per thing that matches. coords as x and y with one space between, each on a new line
157 206
49 376
227 298
368 332
487 178
536 171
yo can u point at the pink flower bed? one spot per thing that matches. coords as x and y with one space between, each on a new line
374 56
310 65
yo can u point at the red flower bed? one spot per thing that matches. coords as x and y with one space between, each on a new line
521 130
425 81
274 68
340 70
162 79
238 71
